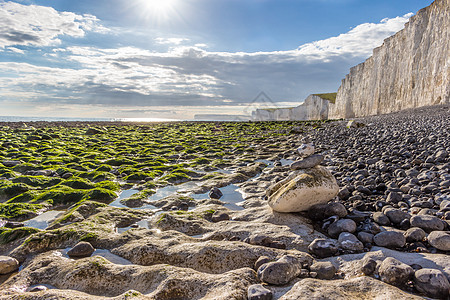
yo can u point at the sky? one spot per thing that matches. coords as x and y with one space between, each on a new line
176 58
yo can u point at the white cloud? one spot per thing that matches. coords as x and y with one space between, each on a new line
360 41
33 25
171 41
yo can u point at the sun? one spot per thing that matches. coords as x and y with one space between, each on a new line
160 8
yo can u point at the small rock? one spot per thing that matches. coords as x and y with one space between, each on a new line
381 218
393 197
440 240
281 271
355 124
414 234
324 270
390 239
219 216
8 264
432 283
306 150
365 237
262 260
395 272
335 209
308 162
258 292
427 223
396 215
343 225
66 175
348 241
82 249
215 193
323 248
368 266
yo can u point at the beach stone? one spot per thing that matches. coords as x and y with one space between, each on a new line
365 237
308 162
262 260
323 248
220 216
381 218
368 266
414 234
440 240
281 271
11 163
395 272
348 241
82 249
335 209
433 283
396 215
390 239
427 222
393 197
342 225
324 270
8 264
302 189
306 150
258 292
215 193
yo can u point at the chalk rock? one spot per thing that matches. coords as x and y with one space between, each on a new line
432 283
8 264
395 272
302 189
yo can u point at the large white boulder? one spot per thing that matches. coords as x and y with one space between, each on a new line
302 189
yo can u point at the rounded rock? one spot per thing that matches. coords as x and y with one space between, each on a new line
368 266
390 239
281 271
348 241
396 216
427 223
82 249
323 248
440 240
215 193
381 218
343 225
324 270
8 264
393 271
433 283
414 234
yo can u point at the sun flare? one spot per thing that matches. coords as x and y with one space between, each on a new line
159 7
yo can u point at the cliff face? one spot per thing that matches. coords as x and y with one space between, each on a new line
314 108
410 69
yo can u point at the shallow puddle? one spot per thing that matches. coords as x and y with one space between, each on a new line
231 196
140 224
43 220
115 259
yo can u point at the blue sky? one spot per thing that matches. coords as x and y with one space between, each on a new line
175 58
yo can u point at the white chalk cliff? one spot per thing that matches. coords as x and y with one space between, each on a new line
410 69
313 108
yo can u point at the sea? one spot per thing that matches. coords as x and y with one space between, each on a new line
60 119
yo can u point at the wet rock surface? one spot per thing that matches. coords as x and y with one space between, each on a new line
392 176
